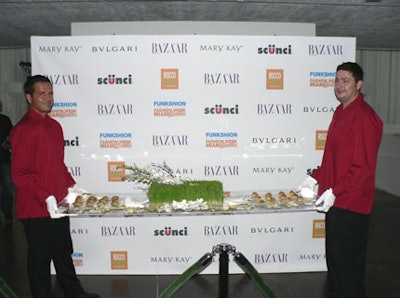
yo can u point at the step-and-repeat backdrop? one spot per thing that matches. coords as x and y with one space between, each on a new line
250 111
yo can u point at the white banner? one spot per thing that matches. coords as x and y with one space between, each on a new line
250 111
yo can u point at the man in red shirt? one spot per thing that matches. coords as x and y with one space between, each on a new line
346 182
42 180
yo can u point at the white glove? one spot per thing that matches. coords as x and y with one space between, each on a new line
326 199
73 192
308 188
76 189
52 207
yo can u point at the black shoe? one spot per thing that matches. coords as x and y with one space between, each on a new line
88 295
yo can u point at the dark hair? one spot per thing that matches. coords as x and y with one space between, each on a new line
354 68
29 86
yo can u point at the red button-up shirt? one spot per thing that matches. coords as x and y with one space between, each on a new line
37 164
349 161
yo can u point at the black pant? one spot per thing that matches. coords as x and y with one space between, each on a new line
346 246
49 239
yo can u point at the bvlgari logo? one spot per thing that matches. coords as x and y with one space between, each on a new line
169 78
273 140
318 109
221 78
114 49
272 230
169 48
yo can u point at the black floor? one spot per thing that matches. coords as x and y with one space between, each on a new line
382 274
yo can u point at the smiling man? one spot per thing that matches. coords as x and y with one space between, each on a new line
346 182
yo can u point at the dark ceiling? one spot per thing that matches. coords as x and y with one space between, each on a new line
375 24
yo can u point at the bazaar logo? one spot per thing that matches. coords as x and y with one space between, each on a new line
112 79
59 49
221 139
77 259
275 79
221 48
114 109
117 231
170 140
320 139
318 230
63 79
72 142
221 170
171 260
322 79
272 230
169 48
114 49
170 232
274 109
274 50
75 171
221 78
119 260
318 109
220 109
116 171
271 258
169 108
325 49
218 230
169 78
64 110
274 170
115 140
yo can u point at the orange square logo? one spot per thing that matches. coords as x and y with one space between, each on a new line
116 171
320 139
275 79
169 78
318 228
119 260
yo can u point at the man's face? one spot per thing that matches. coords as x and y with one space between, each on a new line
42 98
346 88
